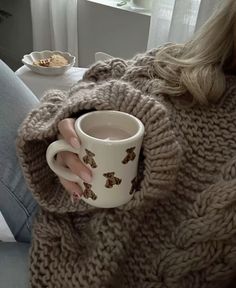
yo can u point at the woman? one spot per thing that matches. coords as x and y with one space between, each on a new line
179 230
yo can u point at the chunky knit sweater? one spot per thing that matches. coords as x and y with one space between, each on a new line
179 230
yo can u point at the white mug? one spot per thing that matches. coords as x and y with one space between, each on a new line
110 147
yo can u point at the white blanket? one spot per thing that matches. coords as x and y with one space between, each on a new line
39 84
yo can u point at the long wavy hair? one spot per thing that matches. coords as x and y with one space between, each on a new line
196 69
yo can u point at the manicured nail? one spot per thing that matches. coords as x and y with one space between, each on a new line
86 176
75 197
75 142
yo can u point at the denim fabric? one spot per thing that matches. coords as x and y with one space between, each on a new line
16 202
14 262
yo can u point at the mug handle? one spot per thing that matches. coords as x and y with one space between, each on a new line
54 148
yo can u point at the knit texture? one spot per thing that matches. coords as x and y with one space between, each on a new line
179 230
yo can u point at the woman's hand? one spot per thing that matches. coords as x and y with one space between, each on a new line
71 160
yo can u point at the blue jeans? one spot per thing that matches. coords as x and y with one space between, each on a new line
16 202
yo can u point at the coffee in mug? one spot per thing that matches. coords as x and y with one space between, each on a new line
110 147
108 133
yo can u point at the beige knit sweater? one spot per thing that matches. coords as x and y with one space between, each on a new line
179 230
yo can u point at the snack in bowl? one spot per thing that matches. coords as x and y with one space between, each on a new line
55 60
49 62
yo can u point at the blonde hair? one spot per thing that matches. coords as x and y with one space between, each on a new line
196 68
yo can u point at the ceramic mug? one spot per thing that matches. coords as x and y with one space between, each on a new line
110 147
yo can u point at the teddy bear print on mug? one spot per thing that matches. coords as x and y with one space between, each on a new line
111 179
88 193
88 159
133 186
130 155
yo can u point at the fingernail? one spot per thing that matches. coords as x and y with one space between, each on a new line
75 142
86 176
75 197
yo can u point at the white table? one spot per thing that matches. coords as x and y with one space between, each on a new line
38 83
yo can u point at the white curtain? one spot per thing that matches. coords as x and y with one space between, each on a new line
54 24
177 20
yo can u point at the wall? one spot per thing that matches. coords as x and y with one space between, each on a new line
15 32
114 31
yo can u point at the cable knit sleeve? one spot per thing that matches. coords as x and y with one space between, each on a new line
115 68
205 239
160 148
100 71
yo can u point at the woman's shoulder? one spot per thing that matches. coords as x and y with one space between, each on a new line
228 100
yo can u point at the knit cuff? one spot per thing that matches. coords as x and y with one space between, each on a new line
160 153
